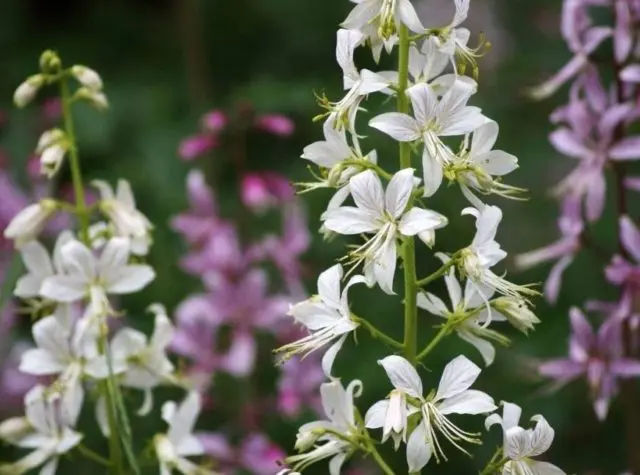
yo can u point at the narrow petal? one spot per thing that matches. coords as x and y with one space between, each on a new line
400 127
484 138
399 192
384 268
330 355
129 279
376 415
542 436
79 259
554 281
114 255
433 174
567 142
417 220
367 192
329 286
402 375
626 149
544 468
486 349
470 401
432 304
64 288
630 236
418 450
424 101
349 220
408 16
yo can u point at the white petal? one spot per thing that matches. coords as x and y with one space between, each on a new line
468 402
347 40
459 374
335 464
542 436
376 415
433 173
544 468
401 127
79 259
399 192
432 304
184 418
366 190
485 348
418 450
516 443
484 138
40 362
128 279
510 415
50 467
101 416
453 287
407 15
385 267
28 286
349 220
418 220
36 258
424 101
373 82
114 255
402 375
64 288
330 355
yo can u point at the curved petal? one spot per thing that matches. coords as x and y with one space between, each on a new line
400 127
367 192
432 304
330 355
128 279
470 401
484 138
459 374
329 286
418 220
433 174
418 449
349 220
376 415
402 375
399 192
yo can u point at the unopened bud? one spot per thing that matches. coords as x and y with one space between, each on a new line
29 222
87 77
49 138
96 98
27 91
50 62
51 160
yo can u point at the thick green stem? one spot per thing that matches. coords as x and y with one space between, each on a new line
84 222
437 274
444 331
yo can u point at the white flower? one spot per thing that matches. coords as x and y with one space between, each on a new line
484 252
326 316
179 442
96 98
49 434
520 445
27 91
385 15
29 222
69 353
337 403
516 310
95 277
144 364
427 64
452 397
330 155
358 83
87 77
434 118
127 221
476 166
386 215
466 314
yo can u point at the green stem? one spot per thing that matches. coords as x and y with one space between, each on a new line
370 166
444 331
379 460
437 274
91 455
378 334
74 161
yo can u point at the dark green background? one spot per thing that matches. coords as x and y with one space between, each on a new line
166 62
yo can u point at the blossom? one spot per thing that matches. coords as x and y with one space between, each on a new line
196 146
620 271
384 214
484 252
87 77
48 432
178 442
337 402
69 353
95 277
597 356
326 316
564 250
386 15
52 149
214 121
29 222
261 191
141 363
26 92
453 396
427 64
202 219
520 445
127 221
477 165
39 266
276 124
466 315
358 83
449 116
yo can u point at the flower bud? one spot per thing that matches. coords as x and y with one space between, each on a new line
48 139
276 124
29 222
51 160
214 121
517 312
27 91
95 97
87 77
50 62
14 429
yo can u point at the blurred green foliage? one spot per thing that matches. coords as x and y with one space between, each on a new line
166 62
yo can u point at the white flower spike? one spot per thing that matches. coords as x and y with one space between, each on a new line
384 214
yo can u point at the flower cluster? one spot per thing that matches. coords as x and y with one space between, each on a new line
388 210
82 345
594 130
219 329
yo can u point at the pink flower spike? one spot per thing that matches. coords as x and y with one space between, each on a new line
261 456
196 146
214 121
276 124
261 191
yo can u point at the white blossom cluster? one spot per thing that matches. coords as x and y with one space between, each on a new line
455 142
71 291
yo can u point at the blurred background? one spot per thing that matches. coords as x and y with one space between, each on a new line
167 62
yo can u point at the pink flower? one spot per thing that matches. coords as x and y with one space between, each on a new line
264 190
259 455
195 146
202 218
276 124
214 121
299 384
